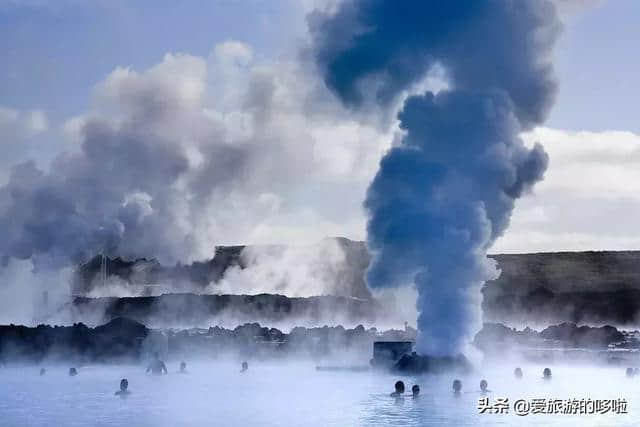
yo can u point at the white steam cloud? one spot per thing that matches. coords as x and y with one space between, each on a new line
191 153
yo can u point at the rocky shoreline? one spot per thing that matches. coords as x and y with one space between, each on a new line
124 339
181 310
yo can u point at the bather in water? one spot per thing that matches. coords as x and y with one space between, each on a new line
157 366
124 389
245 367
415 391
517 373
73 372
457 386
399 386
483 387
546 374
183 367
42 371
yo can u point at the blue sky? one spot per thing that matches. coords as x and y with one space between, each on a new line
598 66
54 54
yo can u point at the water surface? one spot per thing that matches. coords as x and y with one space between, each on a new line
293 394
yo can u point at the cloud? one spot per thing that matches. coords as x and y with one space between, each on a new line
22 123
569 8
589 198
18 136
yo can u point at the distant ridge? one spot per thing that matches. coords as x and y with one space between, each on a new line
589 286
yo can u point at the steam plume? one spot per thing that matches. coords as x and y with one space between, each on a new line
172 160
445 193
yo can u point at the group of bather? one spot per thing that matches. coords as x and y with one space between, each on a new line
155 367
399 386
484 385
158 367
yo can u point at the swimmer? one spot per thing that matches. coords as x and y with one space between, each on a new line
630 372
124 388
399 389
457 386
518 373
157 366
415 390
546 374
73 372
42 371
183 367
245 367
483 387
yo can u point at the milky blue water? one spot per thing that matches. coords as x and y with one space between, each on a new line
294 394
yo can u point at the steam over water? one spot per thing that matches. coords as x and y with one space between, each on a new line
293 394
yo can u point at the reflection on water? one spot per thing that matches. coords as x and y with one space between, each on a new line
294 394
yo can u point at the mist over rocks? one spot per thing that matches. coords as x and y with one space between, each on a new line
566 342
142 271
542 307
332 266
536 289
124 340
494 337
189 310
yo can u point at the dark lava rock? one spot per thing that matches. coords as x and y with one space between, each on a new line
495 337
583 336
119 339
170 310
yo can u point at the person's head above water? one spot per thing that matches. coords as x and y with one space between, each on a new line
42 371
183 366
124 385
457 386
73 372
546 373
399 386
483 385
517 372
415 390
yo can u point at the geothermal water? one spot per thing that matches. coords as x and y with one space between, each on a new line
294 394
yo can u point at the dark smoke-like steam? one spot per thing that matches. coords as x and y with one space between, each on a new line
445 193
